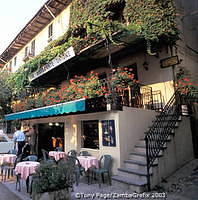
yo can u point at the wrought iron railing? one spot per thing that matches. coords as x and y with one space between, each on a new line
163 127
136 95
157 100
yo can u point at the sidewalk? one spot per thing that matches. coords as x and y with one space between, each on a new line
6 194
182 185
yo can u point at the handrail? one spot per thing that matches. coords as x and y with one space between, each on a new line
159 132
162 127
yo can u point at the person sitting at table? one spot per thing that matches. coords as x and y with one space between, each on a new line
19 139
25 151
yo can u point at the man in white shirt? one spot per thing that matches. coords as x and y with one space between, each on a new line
19 138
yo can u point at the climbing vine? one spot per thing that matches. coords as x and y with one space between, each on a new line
93 20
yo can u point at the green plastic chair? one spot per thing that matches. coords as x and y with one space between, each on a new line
72 153
105 165
78 169
84 153
31 158
47 157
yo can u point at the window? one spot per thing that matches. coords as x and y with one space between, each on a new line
26 51
15 61
50 31
33 48
90 134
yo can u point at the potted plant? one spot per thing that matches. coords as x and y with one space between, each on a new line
52 181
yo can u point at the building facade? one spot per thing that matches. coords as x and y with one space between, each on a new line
112 123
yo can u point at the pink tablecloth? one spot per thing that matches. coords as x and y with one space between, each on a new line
88 161
7 158
57 154
26 168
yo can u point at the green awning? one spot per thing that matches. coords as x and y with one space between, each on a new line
68 107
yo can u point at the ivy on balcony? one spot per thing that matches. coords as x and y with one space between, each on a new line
93 20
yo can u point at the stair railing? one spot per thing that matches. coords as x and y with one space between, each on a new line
164 125
160 130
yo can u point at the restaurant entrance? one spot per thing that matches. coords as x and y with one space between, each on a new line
50 136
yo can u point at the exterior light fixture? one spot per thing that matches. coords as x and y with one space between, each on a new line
145 65
56 124
50 124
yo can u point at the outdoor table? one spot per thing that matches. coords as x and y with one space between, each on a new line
57 154
7 158
88 161
26 168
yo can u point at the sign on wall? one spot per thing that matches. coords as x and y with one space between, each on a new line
108 133
170 61
68 54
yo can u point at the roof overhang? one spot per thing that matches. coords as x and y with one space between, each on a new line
33 27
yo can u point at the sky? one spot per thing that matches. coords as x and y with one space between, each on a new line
14 15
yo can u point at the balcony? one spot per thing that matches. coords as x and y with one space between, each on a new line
112 93
28 57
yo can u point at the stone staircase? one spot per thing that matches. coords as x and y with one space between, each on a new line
133 175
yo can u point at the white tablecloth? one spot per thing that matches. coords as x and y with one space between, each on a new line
26 168
88 161
57 154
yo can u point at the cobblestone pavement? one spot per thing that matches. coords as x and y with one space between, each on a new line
182 185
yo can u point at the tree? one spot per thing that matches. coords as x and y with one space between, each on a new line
5 94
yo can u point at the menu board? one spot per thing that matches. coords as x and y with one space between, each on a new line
108 133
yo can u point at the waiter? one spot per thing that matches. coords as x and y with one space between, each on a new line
19 138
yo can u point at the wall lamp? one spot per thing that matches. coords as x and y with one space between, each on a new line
145 65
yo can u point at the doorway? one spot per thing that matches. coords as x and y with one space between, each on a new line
50 136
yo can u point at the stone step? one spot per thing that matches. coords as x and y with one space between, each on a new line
164 120
142 142
171 117
160 131
135 164
163 126
157 137
136 174
139 156
129 184
142 148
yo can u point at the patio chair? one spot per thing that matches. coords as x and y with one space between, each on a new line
8 169
31 158
105 165
18 176
47 157
72 153
25 151
84 153
58 149
78 169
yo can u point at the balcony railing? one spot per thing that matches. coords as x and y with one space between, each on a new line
135 95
